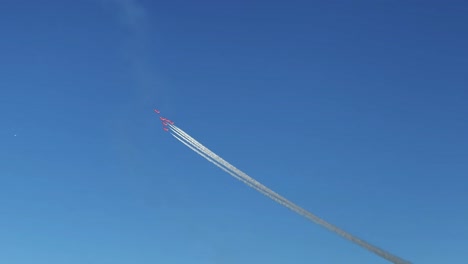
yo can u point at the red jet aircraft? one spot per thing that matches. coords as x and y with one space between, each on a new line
164 120
169 121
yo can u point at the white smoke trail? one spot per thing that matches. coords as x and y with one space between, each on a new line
226 166
252 181
264 190
199 151
258 186
278 198
178 137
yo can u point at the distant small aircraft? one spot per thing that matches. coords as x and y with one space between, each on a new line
164 121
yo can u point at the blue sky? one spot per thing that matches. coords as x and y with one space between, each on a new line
355 111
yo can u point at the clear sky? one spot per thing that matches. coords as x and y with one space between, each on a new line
356 111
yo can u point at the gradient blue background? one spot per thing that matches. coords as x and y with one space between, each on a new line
356 111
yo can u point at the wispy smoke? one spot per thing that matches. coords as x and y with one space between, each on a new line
131 13
133 18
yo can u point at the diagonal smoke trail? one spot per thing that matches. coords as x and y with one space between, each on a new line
178 137
234 169
199 151
289 204
260 187
278 198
